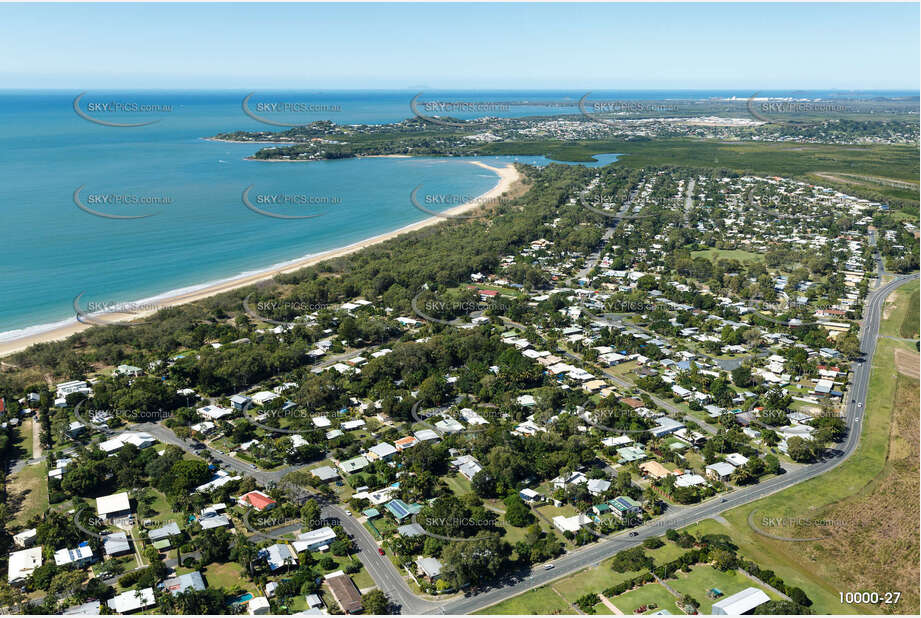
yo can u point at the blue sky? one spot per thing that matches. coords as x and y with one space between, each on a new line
406 46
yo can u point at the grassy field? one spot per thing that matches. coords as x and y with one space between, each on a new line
644 595
24 445
728 254
909 326
28 489
593 579
703 577
458 484
872 532
900 313
228 575
541 600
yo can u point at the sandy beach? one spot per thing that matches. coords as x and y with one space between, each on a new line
508 175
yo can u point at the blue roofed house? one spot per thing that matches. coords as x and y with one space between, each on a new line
400 510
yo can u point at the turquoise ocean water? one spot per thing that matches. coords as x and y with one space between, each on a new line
201 232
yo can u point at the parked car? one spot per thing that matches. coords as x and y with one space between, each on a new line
381 551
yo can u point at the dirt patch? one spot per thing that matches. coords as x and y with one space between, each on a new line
908 363
887 308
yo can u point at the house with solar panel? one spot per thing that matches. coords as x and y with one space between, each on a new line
626 508
79 556
400 510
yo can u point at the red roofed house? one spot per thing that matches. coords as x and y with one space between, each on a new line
632 402
487 293
405 443
257 500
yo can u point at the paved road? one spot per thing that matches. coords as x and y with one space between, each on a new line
381 569
263 477
684 516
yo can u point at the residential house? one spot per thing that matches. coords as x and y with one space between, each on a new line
132 601
344 592
257 500
430 567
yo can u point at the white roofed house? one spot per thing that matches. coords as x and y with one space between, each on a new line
529 495
430 567
79 556
740 603
264 397
572 478
737 459
448 425
240 402
214 412
383 451
570 524
132 601
116 544
26 538
314 540
470 469
720 470
115 506
22 563
690 480
278 556
597 487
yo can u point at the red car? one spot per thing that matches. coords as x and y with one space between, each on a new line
380 550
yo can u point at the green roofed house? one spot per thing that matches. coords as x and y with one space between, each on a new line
624 506
161 545
631 453
371 513
353 465
601 509
400 510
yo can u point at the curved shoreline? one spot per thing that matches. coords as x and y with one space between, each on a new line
507 176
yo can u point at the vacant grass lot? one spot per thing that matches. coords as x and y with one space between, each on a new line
28 492
228 575
644 595
703 577
594 579
541 600
728 254
900 312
